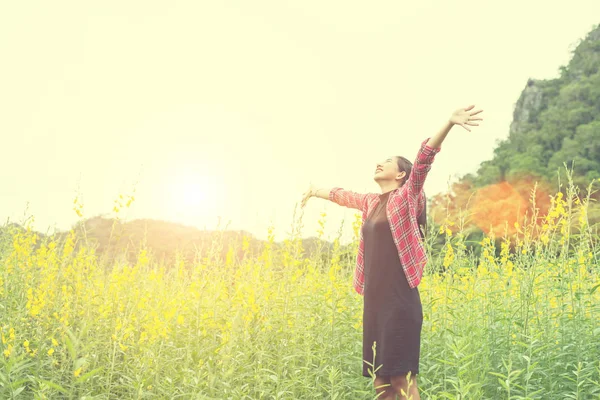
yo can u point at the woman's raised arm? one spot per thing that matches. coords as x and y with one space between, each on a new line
337 195
429 148
462 117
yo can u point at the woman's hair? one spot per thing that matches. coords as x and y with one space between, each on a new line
406 166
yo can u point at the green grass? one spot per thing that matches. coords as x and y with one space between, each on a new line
275 325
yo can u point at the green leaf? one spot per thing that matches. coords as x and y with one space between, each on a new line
70 348
53 385
88 375
19 382
79 362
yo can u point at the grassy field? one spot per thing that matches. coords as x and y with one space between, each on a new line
521 324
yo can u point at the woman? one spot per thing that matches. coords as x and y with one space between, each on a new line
390 262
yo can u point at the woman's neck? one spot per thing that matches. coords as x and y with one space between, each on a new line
387 187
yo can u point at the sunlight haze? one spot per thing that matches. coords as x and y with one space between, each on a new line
230 109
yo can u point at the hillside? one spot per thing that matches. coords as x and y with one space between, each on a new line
555 121
113 239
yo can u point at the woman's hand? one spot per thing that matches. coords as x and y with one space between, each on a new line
310 192
464 117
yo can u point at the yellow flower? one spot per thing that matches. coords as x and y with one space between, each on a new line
449 256
51 351
77 372
518 227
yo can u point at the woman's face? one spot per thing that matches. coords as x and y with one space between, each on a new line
387 170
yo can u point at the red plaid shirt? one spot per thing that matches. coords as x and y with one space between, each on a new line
404 206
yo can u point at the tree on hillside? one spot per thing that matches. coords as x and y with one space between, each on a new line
556 122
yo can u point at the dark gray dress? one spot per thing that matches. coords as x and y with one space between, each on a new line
392 315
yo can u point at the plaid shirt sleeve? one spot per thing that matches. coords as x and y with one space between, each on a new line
421 168
349 199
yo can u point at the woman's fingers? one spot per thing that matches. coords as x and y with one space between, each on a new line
465 117
305 197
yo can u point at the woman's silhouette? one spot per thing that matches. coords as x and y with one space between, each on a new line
390 261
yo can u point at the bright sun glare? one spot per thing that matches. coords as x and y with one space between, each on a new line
192 198
193 194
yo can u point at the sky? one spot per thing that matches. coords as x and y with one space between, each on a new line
228 110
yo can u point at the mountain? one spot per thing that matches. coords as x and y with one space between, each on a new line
116 240
555 121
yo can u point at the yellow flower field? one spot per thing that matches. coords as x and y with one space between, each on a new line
521 324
